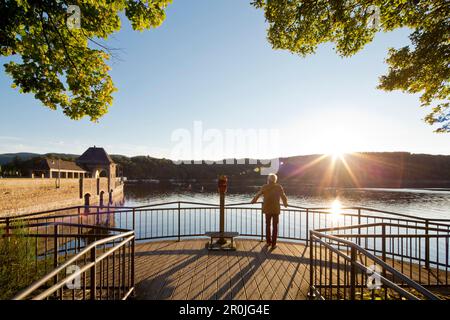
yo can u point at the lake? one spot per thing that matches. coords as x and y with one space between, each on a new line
418 202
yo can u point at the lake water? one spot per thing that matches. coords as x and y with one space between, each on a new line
417 202
167 222
157 224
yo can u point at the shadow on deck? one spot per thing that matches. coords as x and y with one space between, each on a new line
187 270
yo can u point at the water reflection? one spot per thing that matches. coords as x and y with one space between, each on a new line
336 210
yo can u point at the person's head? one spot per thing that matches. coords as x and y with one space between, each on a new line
272 178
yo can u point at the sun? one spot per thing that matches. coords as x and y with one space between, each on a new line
336 154
337 149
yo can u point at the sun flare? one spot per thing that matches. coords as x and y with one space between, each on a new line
338 155
337 152
336 209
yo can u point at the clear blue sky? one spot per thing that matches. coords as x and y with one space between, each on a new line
210 61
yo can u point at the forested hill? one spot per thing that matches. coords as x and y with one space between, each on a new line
387 169
390 169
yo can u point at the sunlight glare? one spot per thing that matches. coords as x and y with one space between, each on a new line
337 152
337 155
336 209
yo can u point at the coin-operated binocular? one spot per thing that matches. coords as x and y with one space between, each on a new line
222 236
222 184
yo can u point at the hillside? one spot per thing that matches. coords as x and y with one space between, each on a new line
385 169
9 157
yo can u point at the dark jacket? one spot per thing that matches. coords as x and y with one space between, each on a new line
272 193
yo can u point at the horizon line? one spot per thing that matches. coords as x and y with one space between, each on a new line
229 158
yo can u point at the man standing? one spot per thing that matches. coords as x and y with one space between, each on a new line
272 193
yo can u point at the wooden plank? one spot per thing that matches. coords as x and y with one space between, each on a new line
249 269
196 286
263 282
223 277
210 279
177 267
236 278
279 265
279 289
187 273
183 288
154 284
299 272
218 234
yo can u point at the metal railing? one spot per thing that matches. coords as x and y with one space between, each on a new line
187 219
391 253
422 241
404 246
76 261
182 219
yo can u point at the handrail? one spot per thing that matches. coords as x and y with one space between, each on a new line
213 205
413 284
86 267
67 224
324 209
35 285
379 224
45 214
234 206
384 280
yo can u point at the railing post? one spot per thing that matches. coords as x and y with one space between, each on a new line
179 221
383 249
427 245
124 275
307 225
79 228
312 266
55 252
134 219
262 223
383 243
132 262
359 229
353 274
93 275
7 226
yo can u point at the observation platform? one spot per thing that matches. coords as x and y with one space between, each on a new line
188 270
154 252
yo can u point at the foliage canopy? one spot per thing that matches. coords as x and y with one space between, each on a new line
63 65
423 67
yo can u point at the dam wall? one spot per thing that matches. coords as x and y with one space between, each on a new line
26 195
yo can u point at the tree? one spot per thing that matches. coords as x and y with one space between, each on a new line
62 63
423 67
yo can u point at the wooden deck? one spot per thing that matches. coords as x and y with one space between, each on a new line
187 270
